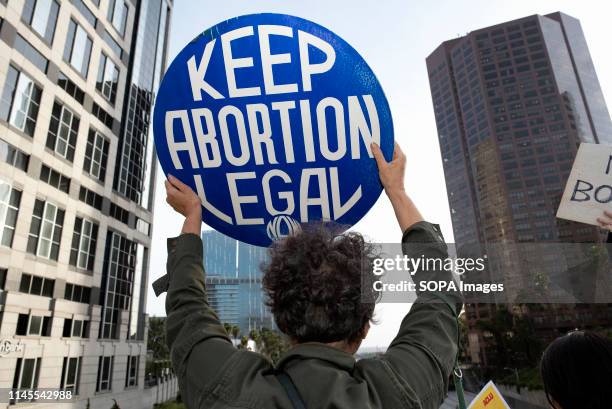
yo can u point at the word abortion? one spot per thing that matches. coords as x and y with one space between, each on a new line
260 138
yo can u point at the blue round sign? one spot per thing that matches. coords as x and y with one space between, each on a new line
269 118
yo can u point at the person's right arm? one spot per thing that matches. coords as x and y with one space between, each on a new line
392 178
198 343
424 351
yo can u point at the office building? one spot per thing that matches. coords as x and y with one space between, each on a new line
233 281
512 102
78 80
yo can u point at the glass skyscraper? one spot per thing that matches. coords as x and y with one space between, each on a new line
512 103
77 82
233 281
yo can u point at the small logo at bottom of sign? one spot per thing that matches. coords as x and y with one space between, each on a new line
282 226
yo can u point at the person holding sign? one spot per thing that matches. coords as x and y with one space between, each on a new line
317 286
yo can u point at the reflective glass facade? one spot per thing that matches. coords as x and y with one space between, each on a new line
233 281
597 110
135 161
509 99
512 102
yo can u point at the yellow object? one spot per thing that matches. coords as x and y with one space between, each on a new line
489 398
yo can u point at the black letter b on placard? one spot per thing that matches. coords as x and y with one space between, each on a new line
586 196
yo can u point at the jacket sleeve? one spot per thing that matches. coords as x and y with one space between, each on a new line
423 354
191 322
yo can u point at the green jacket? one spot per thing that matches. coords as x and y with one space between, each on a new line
212 373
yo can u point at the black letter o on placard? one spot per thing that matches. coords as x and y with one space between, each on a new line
607 199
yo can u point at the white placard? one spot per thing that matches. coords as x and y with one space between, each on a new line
589 188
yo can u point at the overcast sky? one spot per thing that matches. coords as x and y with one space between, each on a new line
394 37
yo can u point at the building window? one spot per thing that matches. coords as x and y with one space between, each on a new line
117 282
84 238
102 115
90 197
33 325
96 155
54 178
36 285
117 15
75 328
114 45
77 293
10 199
14 156
45 230
41 15
78 48
26 375
86 12
31 53
71 88
131 373
63 130
71 373
119 213
3 273
105 373
108 78
20 101
136 323
143 227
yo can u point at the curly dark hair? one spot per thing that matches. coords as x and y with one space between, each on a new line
319 284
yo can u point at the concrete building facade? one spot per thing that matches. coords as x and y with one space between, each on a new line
77 170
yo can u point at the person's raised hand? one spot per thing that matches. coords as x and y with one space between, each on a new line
606 220
186 202
392 178
391 173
